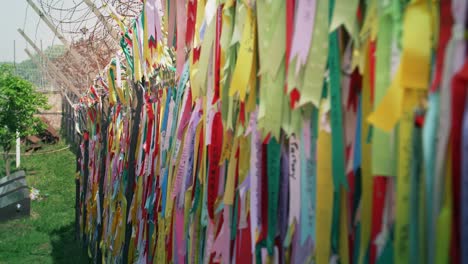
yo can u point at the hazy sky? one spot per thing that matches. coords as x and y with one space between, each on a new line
16 14
12 17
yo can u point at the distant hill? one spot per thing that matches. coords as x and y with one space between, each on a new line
31 72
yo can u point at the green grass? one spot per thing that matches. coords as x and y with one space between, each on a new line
48 235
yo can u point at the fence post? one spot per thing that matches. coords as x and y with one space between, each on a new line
85 181
77 194
102 172
131 164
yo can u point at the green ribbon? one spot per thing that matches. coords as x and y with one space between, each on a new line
338 155
310 80
383 163
235 214
386 257
415 199
336 119
126 51
273 172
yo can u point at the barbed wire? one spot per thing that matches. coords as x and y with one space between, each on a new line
87 34
25 16
78 18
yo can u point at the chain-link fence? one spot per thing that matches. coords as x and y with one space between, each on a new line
36 71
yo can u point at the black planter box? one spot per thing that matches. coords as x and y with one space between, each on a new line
14 197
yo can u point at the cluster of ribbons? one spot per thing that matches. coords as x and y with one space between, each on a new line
280 131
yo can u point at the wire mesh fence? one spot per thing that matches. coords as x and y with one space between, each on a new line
36 71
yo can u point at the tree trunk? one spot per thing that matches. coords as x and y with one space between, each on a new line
6 158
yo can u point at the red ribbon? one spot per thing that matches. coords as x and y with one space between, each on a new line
191 15
354 90
378 206
217 52
372 63
459 83
214 152
445 32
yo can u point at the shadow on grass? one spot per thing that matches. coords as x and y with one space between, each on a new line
65 249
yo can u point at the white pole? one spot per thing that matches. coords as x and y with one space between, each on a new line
18 150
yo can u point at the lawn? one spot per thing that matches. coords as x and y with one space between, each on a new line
47 236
